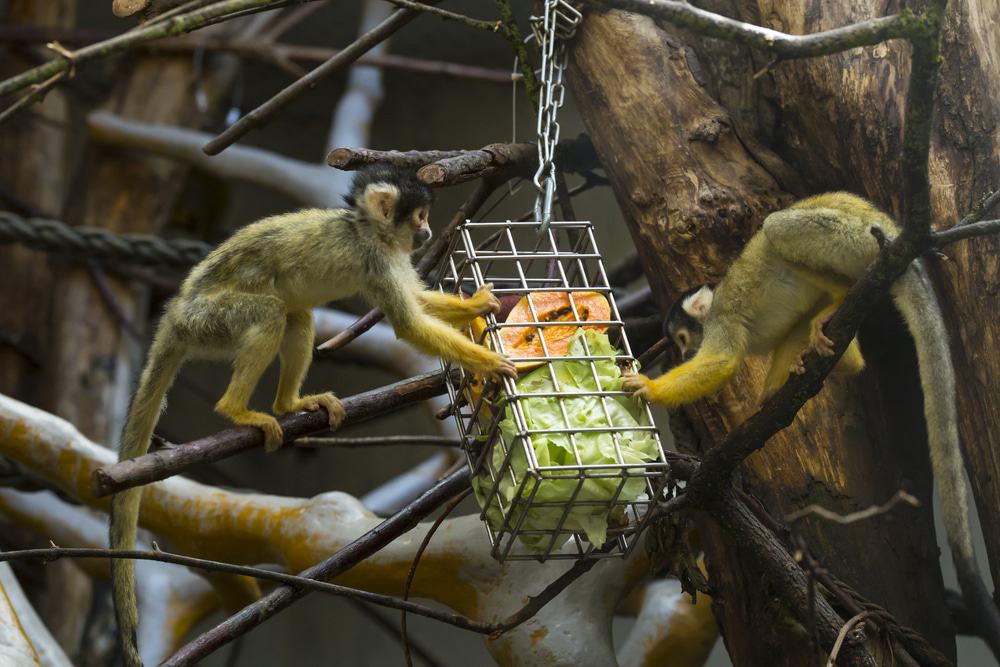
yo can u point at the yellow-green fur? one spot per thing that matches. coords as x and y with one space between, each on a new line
776 297
251 300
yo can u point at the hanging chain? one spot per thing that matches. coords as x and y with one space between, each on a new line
551 30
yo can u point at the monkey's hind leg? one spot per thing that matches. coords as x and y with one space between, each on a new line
296 354
261 323
693 379
455 310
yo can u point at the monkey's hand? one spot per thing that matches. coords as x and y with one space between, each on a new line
498 366
818 340
312 403
637 384
484 300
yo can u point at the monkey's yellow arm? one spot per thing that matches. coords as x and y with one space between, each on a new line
248 528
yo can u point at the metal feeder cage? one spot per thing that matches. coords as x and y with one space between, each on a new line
535 508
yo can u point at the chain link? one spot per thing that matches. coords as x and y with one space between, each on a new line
551 30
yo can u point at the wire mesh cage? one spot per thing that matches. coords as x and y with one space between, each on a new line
564 463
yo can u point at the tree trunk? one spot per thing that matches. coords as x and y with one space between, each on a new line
694 184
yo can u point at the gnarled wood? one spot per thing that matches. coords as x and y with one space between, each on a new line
692 193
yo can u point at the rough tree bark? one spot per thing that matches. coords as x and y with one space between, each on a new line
693 183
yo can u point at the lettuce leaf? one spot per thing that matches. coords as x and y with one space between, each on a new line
555 449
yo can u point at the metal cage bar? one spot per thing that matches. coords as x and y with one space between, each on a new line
536 509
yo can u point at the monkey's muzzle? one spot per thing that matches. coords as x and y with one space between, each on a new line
421 236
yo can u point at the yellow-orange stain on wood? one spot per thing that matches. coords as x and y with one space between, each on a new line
538 635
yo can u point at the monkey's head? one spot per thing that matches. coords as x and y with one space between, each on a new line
685 321
394 202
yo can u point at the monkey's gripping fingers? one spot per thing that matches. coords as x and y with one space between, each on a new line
485 301
637 384
818 340
313 402
502 367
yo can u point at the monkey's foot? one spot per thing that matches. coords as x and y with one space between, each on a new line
484 300
313 402
798 367
637 384
818 340
273 435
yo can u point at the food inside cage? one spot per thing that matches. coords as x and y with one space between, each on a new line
593 501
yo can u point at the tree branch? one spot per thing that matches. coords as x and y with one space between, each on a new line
166 463
490 26
685 15
173 26
298 582
967 231
263 114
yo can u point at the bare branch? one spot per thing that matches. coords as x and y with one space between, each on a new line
860 515
350 159
173 26
263 114
685 15
491 26
317 442
304 583
166 463
967 231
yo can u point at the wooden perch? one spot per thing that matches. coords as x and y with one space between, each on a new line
497 162
165 463
456 570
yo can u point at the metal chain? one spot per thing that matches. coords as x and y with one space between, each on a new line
551 30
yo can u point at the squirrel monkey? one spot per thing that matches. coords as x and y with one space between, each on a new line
776 298
251 299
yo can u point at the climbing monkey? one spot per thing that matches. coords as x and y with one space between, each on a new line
776 298
251 299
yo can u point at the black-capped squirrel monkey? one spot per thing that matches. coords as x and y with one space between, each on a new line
777 296
251 299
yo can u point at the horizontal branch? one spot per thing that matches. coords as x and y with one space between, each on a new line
967 231
709 24
168 462
351 159
258 50
490 26
317 442
55 553
176 25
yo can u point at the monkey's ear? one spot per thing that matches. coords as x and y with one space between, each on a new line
698 304
380 200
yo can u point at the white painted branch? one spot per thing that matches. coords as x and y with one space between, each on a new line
456 570
171 599
24 639
670 626
310 184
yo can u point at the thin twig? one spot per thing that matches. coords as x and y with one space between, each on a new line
375 441
979 211
509 29
392 630
449 508
171 27
298 582
266 111
491 26
709 24
853 517
37 93
842 636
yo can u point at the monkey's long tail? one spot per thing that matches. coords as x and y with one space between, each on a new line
165 358
914 296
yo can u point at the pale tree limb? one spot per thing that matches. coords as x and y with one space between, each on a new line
172 601
456 569
655 636
709 24
24 639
